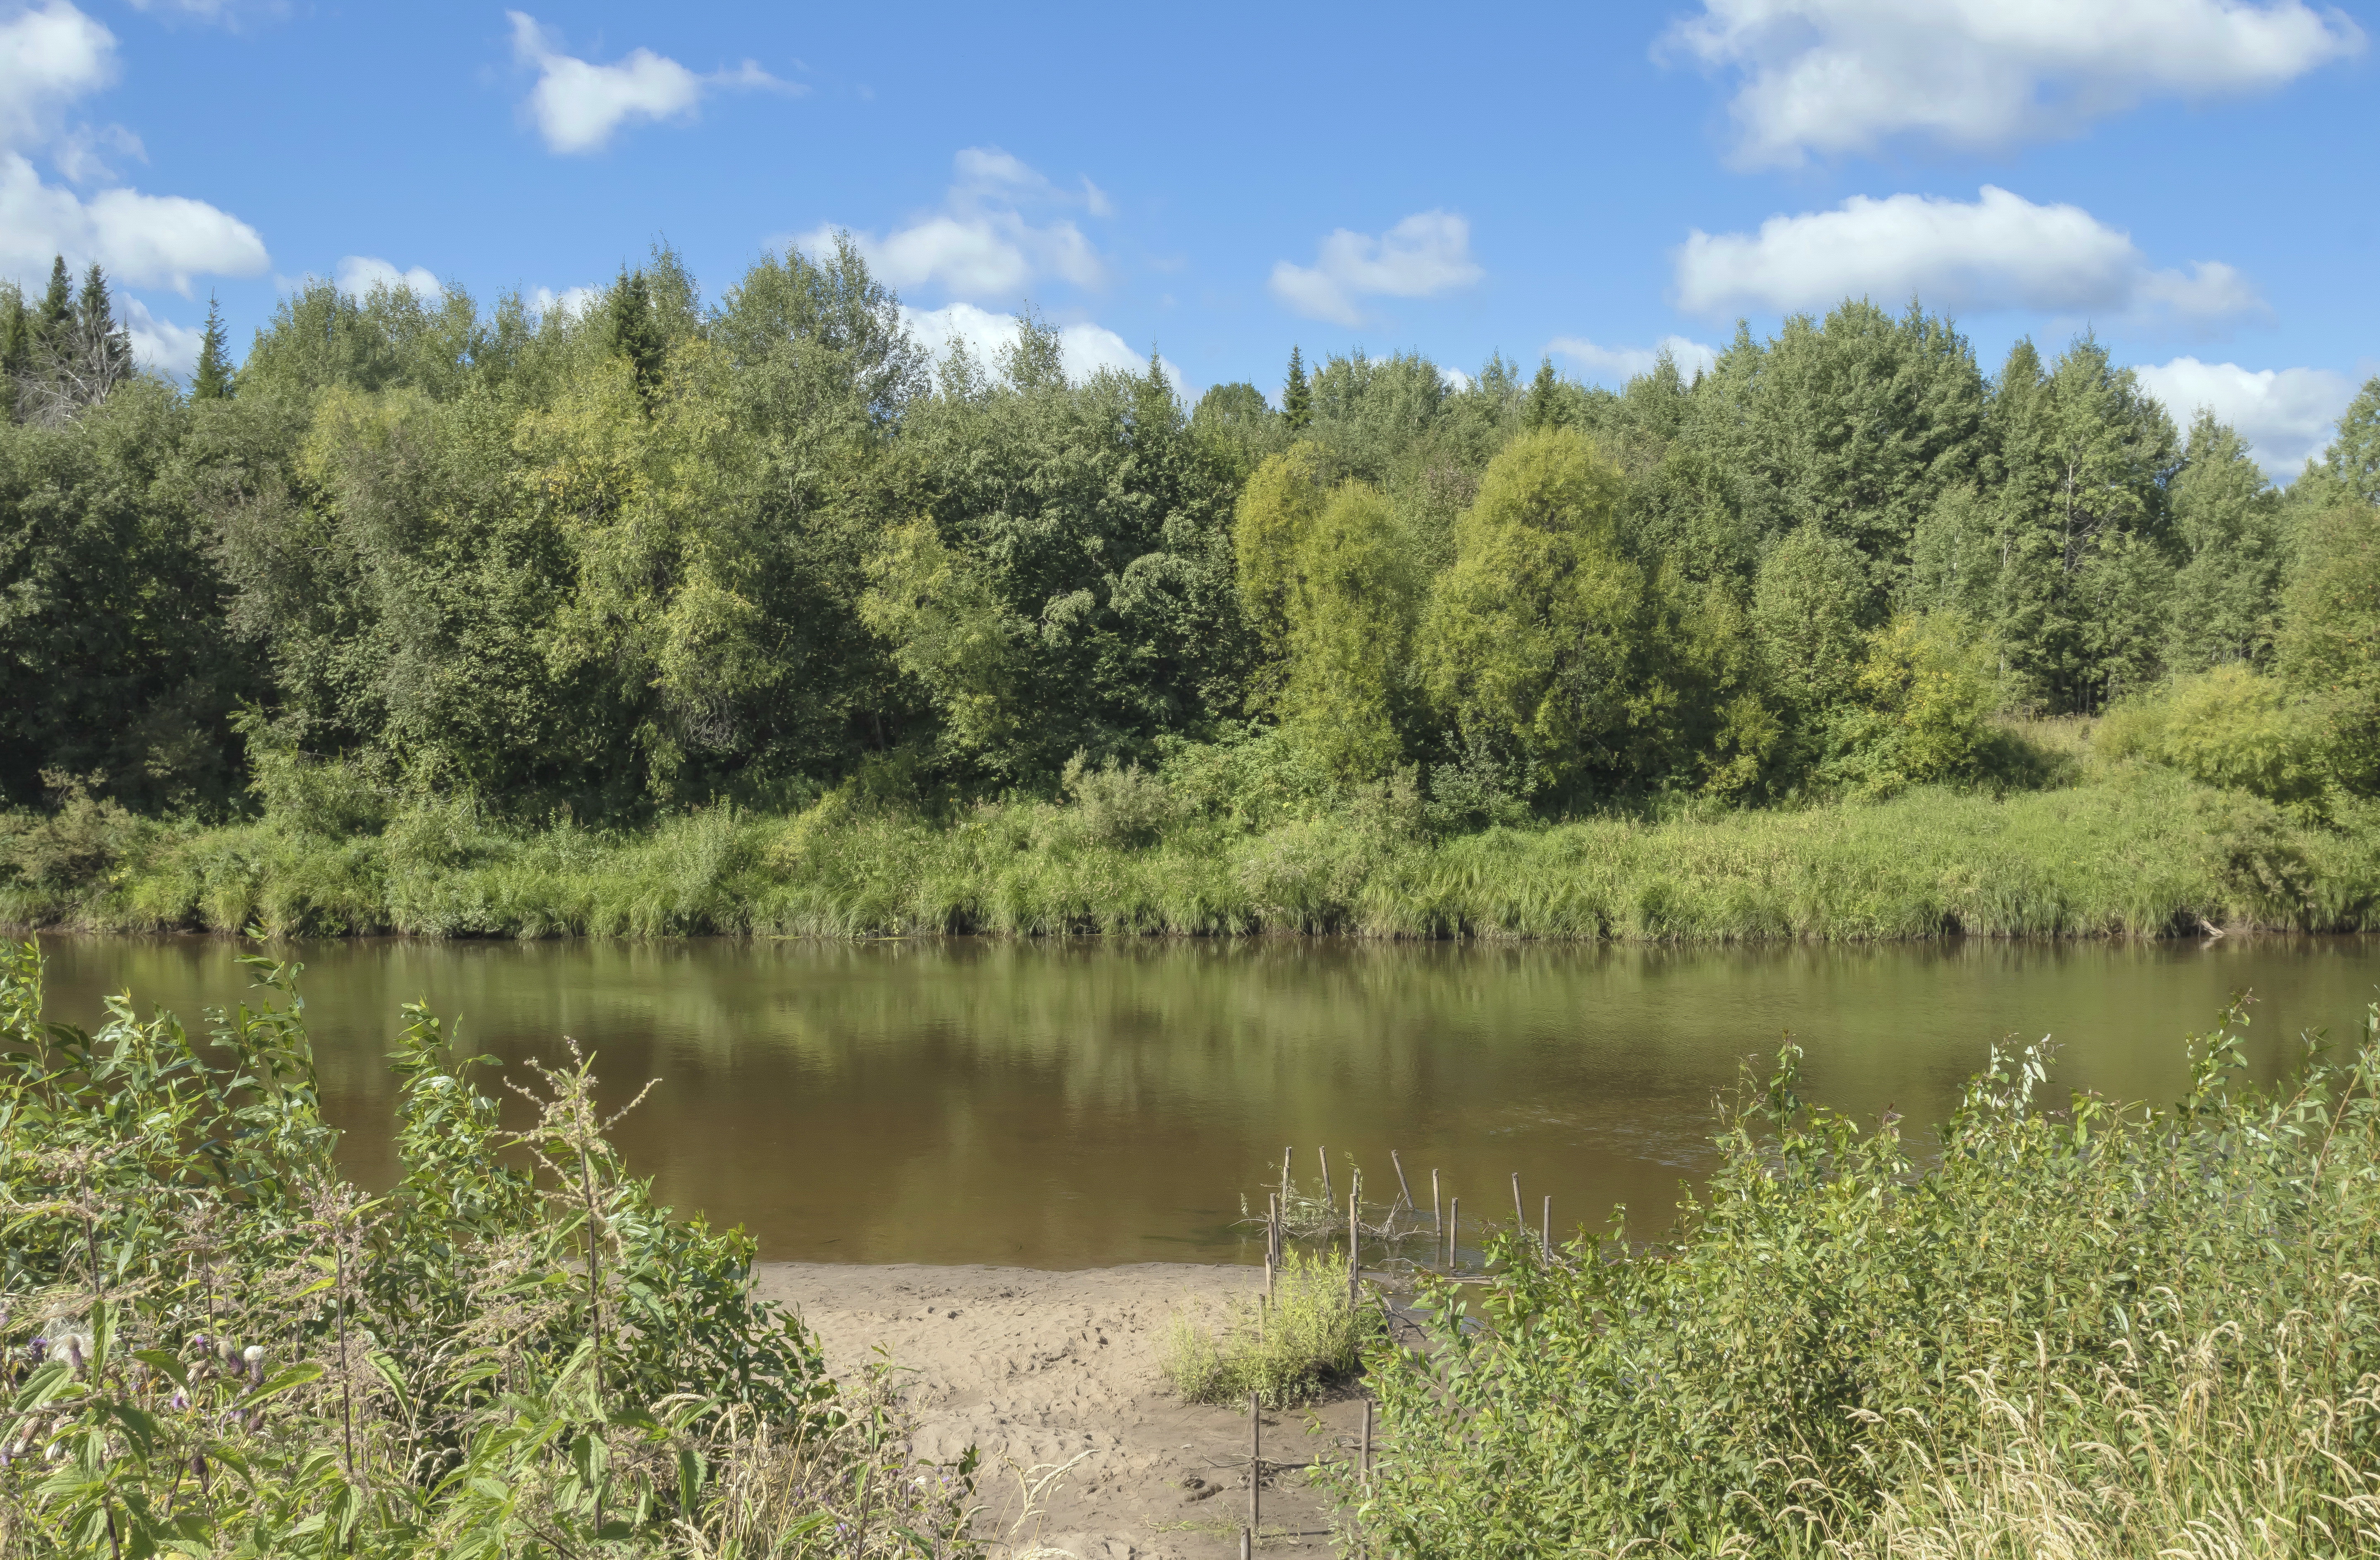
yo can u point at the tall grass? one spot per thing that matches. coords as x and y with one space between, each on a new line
2060 1329
2134 856
1284 1351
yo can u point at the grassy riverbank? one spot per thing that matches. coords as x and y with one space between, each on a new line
2138 854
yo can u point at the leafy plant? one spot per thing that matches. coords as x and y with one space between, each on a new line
214 1344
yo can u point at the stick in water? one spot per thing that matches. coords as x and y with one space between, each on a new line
1329 1196
1453 1234
1545 1229
1437 1225
1402 1186
1520 1218
1285 1173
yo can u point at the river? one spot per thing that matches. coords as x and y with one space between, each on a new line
1080 1103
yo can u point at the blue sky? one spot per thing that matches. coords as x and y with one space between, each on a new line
2193 179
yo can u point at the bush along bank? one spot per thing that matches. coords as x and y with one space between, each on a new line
2077 1329
2138 853
210 1343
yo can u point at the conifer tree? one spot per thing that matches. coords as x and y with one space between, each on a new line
1543 408
211 380
636 333
16 344
58 303
1296 397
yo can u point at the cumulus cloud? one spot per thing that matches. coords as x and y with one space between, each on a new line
982 243
359 274
1997 251
1084 348
159 343
578 105
1617 365
1834 76
144 239
50 56
2286 414
1428 252
571 301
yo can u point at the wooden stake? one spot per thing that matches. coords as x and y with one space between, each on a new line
1354 1268
1437 1225
1367 1464
1520 1218
1454 1235
1247 1550
1285 1173
1329 1196
1546 1229
1256 1464
1402 1186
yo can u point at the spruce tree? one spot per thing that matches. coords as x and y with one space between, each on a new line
1296 397
636 333
16 344
58 303
1543 408
102 350
211 380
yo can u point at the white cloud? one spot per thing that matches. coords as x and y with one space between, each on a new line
570 301
50 56
82 154
1084 348
144 239
1428 252
1617 365
981 244
1998 251
159 343
1454 380
578 105
359 274
1833 76
2286 414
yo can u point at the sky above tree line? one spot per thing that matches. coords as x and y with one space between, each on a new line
2193 180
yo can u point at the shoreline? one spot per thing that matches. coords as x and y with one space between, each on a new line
1036 1367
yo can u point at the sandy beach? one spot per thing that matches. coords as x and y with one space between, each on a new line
1038 1368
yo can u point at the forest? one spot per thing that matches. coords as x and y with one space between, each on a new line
416 567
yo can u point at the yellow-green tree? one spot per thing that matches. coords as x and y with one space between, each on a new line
1534 639
1350 634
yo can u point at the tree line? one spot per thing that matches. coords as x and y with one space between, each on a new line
666 551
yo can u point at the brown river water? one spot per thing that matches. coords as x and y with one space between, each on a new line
1081 1103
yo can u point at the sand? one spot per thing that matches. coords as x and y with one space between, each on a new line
1039 1368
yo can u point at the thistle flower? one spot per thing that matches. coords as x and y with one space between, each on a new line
36 1350
74 1351
181 1399
254 1355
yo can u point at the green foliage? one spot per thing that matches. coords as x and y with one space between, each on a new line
1924 715
1535 636
213 1344
1285 1351
2228 727
2114 1329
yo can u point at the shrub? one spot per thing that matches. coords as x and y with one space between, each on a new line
210 1343
2126 1329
